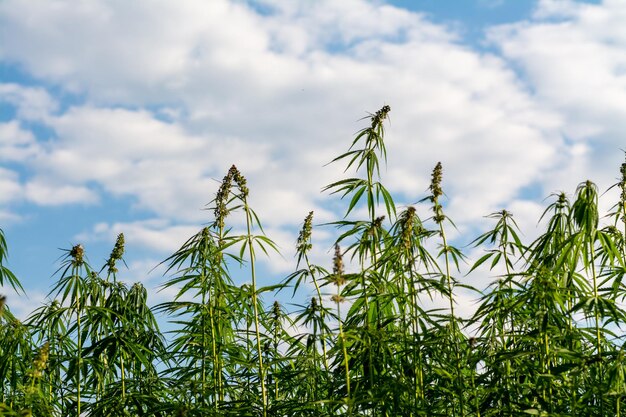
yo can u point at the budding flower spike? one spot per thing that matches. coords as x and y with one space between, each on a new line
116 254
77 254
338 271
380 116
435 188
221 199
304 245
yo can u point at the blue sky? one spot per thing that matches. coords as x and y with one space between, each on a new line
122 117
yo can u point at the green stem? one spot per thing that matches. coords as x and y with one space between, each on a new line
453 322
345 352
123 376
320 300
274 367
217 300
79 346
255 306
204 349
368 339
596 312
414 317
504 340
214 353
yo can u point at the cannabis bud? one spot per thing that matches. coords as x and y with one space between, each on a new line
240 181
338 278
221 199
41 361
304 238
406 226
380 115
435 188
338 298
116 253
77 253
276 311
435 183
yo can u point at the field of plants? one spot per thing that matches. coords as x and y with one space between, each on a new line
545 340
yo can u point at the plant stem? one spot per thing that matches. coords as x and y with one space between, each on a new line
79 346
596 313
321 306
453 323
345 352
255 305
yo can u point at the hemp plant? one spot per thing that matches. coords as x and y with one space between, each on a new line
377 332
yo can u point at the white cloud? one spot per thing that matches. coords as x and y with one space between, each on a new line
19 145
275 96
8 216
298 27
130 153
32 103
155 234
10 189
120 50
16 144
573 57
43 193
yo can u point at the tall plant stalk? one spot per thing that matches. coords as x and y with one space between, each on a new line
338 279
447 251
303 246
255 301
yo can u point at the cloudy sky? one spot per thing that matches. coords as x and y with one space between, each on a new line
121 116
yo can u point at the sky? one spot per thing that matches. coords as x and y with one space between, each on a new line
121 116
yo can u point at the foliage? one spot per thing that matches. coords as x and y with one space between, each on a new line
545 338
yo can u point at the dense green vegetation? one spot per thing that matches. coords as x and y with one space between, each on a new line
545 340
